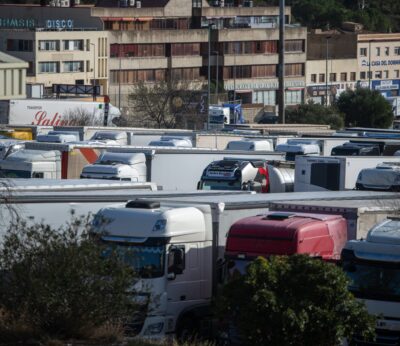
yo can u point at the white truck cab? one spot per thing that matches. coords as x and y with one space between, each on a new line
296 146
9 146
172 141
57 138
27 163
385 176
110 137
118 166
373 267
166 247
250 145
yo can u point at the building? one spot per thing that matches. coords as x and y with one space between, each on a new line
12 77
350 60
62 45
170 39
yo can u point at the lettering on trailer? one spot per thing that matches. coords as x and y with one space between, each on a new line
41 118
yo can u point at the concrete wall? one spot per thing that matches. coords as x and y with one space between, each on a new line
13 80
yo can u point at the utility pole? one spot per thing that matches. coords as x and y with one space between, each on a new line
94 71
281 92
209 77
326 70
369 65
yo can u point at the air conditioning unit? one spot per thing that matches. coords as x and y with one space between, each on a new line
138 4
131 3
64 3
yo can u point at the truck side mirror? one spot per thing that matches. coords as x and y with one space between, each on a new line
176 260
199 185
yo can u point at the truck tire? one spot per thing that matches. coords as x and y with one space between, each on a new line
188 329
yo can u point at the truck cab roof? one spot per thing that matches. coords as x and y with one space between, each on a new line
29 155
112 158
304 146
280 233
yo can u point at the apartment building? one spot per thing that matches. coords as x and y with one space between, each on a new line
62 45
340 60
12 77
178 39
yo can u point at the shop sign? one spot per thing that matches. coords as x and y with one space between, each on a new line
262 85
30 23
365 62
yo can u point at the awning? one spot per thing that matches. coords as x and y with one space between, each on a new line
125 19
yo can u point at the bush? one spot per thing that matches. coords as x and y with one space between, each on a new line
365 108
295 300
58 284
313 113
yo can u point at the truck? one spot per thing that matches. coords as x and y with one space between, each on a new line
172 141
251 145
55 112
248 174
9 146
385 176
173 168
178 246
284 233
370 147
373 268
360 214
294 147
331 172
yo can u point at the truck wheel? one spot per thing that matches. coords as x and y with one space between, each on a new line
188 329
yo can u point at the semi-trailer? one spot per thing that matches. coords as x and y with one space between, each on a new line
182 244
333 173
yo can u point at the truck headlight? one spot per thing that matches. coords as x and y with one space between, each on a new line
154 328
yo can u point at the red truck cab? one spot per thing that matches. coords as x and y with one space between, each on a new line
284 233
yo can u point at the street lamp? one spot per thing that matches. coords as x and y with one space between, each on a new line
94 71
369 64
216 77
210 26
281 66
326 70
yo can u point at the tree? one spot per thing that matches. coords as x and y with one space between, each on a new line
165 104
57 283
294 300
365 108
313 113
81 117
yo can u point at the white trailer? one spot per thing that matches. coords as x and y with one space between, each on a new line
373 268
361 214
181 245
332 173
54 112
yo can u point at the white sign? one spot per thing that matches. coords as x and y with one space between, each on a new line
263 85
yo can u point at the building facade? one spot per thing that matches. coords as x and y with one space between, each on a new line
337 61
12 77
61 45
179 39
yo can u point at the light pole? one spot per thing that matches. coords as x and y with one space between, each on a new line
94 71
326 70
281 70
369 64
210 26
216 72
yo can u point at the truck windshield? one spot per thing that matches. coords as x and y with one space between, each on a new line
147 261
236 267
345 152
221 185
292 156
11 173
373 280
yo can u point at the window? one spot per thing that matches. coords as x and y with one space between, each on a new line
378 51
249 47
49 45
321 78
266 97
134 76
387 51
343 77
293 70
396 50
73 45
73 66
396 73
378 74
353 76
19 45
362 75
314 78
332 77
137 50
294 97
294 46
386 74
49 67
186 73
185 49
363 51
